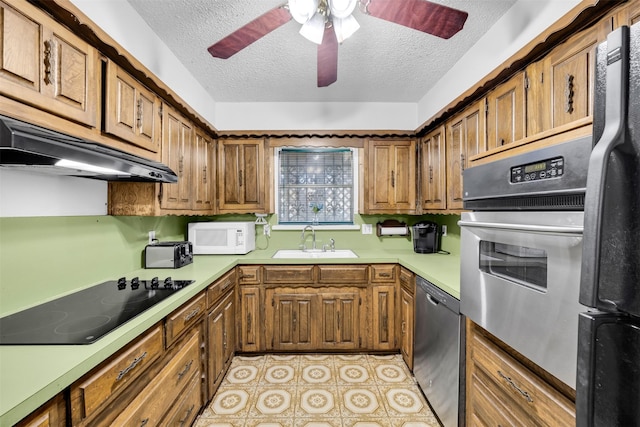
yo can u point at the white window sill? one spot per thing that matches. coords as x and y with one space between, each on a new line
316 227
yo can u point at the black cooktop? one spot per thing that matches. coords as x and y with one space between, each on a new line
87 315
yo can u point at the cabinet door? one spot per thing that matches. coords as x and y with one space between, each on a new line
241 183
249 321
340 319
434 168
45 65
289 319
406 326
176 153
203 172
383 316
465 138
506 113
391 176
572 73
221 343
538 97
132 112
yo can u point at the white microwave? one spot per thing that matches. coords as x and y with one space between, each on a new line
214 238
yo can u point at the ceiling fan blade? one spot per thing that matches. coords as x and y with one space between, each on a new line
254 30
432 18
328 58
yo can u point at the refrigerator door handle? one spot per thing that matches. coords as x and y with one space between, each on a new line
614 134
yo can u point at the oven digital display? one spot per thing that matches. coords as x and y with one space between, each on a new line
544 169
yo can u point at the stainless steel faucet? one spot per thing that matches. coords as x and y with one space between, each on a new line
303 238
331 245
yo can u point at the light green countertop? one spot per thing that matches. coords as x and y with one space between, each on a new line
31 375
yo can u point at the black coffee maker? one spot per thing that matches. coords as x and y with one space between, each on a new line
426 237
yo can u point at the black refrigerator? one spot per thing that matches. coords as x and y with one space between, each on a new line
608 375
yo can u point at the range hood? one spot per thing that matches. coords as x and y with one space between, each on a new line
24 146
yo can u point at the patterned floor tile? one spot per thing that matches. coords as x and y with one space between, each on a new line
361 402
273 401
219 422
404 400
317 374
354 374
279 374
316 402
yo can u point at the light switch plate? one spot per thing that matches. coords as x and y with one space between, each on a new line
444 230
367 229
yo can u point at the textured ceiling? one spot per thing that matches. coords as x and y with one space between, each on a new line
381 62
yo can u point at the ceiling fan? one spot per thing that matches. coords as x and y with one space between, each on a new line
329 22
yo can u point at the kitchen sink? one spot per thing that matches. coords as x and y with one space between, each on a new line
315 253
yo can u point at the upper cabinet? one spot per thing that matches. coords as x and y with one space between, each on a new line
434 170
203 172
177 149
241 176
506 113
132 112
465 138
45 65
390 177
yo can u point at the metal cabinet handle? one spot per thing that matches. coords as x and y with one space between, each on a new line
240 174
186 369
513 385
144 422
226 285
462 162
133 364
568 93
385 274
49 61
403 328
393 179
184 419
139 113
249 323
192 314
430 173
204 174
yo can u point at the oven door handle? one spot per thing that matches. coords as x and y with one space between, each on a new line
539 229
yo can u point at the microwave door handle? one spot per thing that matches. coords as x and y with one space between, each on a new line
616 108
539 229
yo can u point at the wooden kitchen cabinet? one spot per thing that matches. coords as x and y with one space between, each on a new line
390 177
465 138
177 148
506 114
203 173
221 324
434 170
340 274
407 315
132 112
250 320
184 317
46 66
538 97
383 317
51 414
572 68
339 317
503 391
289 318
241 176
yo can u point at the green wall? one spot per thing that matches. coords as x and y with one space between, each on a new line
43 257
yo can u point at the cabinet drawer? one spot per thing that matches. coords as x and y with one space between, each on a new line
218 288
343 274
149 407
185 316
383 273
526 391
90 393
291 274
408 280
185 411
249 274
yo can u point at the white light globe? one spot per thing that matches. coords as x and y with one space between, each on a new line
342 8
303 10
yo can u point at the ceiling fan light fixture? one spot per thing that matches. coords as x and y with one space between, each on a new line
303 10
345 27
313 29
342 9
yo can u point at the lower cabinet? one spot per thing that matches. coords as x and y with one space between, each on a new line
52 413
221 325
503 391
407 315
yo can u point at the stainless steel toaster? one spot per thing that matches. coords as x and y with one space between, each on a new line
168 255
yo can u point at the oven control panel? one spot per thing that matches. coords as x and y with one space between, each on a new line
544 169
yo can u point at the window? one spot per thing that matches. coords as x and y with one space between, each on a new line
316 185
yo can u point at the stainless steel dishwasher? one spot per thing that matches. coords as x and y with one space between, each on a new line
437 351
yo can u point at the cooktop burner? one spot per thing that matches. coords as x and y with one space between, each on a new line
87 315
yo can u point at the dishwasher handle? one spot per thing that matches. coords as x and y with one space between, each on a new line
432 300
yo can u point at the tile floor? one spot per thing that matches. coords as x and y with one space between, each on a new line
318 391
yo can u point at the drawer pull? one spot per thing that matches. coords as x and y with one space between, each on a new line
385 274
226 285
183 421
192 314
248 276
514 386
186 369
133 364
49 58
144 422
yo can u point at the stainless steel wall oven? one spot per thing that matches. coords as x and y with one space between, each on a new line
521 252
